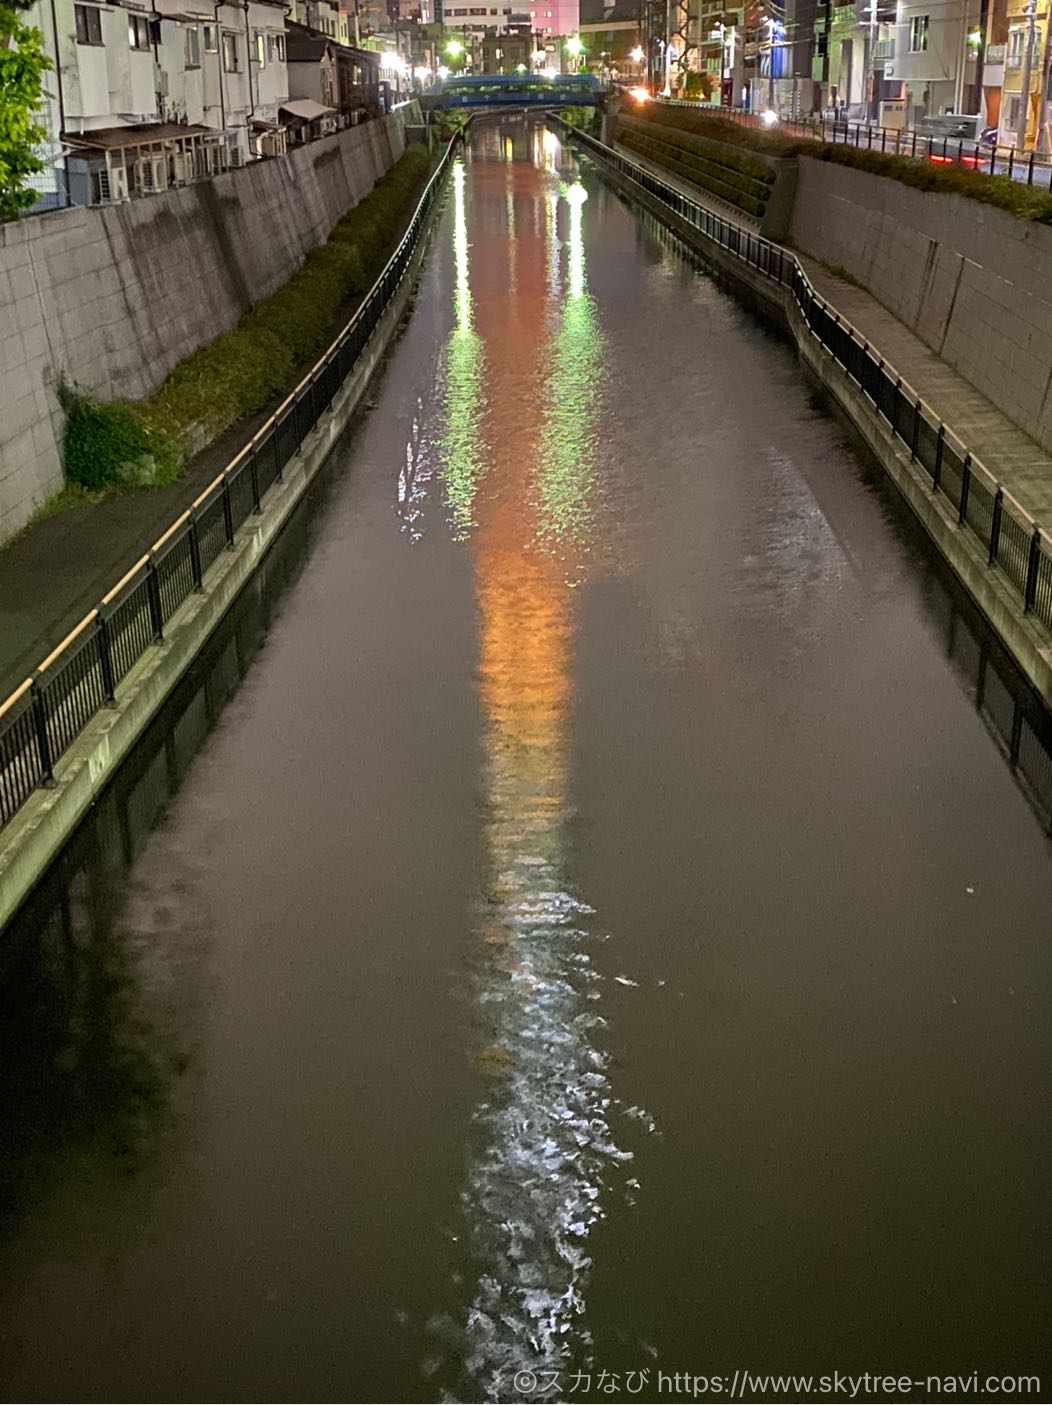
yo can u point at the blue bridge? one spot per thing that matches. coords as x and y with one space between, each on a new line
516 90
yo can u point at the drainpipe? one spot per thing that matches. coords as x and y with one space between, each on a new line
219 60
251 99
61 101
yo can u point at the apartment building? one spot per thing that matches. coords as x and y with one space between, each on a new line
145 98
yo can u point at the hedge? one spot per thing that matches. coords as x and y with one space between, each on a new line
1022 201
742 191
240 371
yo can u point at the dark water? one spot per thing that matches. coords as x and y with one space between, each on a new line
578 916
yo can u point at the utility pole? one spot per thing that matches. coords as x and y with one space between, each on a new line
870 49
1028 68
1042 102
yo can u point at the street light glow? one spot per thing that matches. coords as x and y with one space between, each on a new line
636 54
454 48
574 46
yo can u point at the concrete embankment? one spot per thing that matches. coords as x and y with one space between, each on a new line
1019 464
37 832
110 298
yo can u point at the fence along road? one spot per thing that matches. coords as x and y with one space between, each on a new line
45 714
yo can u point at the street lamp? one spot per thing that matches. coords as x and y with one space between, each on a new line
575 48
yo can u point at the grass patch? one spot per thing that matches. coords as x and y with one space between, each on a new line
1021 201
126 443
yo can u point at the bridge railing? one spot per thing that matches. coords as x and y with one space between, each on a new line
1013 541
45 714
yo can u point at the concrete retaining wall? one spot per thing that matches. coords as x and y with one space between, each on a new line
970 280
111 298
41 827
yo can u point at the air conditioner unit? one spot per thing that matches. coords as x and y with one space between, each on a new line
113 185
152 173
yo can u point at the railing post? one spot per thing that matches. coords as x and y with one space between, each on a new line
995 525
47 769
257 507
936 473
1033 561
228 514
966 484
915 436
153 594
196 573
105 658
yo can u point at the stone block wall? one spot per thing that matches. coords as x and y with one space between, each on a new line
109 298
970 280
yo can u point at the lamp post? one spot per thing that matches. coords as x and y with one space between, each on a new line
575 49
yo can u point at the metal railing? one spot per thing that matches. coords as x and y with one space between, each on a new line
1025 166
42 718
1013 542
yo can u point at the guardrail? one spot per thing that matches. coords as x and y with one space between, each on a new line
42 718
977 156
1014 543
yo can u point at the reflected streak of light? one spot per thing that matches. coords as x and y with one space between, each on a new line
461 438
568 455
546 1157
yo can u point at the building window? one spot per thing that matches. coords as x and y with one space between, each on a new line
138 32
193 48
919 34
261 49
230 62
211 39
276 48
89 24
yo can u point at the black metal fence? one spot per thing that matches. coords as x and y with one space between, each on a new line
988 158
1013 542
42 718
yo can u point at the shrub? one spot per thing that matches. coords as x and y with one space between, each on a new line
241 370
115 442
746 192
1021 201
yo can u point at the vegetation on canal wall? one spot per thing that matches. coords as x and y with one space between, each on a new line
1022 201
129 442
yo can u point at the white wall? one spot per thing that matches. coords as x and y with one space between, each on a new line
970 280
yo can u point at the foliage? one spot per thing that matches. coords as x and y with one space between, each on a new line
698 87
740 180
1022 201
581 117
23 64
126 442
114 441
450 122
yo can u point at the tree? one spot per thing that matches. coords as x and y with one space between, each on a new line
23 64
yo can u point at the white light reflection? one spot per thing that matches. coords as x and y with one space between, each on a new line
461 443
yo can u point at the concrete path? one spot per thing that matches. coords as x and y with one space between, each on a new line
1015 460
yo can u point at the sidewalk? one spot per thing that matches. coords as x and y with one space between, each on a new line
1015 460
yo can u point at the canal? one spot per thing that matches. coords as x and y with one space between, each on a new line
578 916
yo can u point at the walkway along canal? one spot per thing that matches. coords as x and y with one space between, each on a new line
575 916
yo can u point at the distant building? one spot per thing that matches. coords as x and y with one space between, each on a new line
142 99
